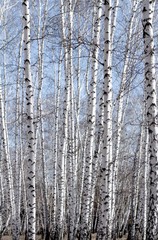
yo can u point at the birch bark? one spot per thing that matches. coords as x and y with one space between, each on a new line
56 153
64 140
105 219
151 117
41 42
8 170
87 199
17 142
121 99
71 164
31 198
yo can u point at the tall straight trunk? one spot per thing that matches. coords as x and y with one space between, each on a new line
145 170
44 180
83 154
41 33
87 198
135 187
83 149
151 118
121 99
78 148
31 193
95 147
105 218
64 140
123 82
41 41
17 142
8 170
56 153
146 174
71 164
114 17
24 216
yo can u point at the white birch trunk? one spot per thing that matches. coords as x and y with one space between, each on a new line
31 193
71 164
44 180
135 187
114 17
146 175
56 153
39 112
87 199
8 170
62 174
151 118
121 98
105 218
78 148
18 158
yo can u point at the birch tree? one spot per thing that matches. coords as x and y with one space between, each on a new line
121 98
64 140
31 193
105 218
8 171
87 188
41 41
151 116
71 160
18 158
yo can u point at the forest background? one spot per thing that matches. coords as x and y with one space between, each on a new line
78 100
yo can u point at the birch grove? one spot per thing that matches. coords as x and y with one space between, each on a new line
78 120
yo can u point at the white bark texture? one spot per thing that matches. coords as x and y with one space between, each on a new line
151 118
17 143
87 188
31 193
64 140
56 153
105 218
122 93
71 160
8 170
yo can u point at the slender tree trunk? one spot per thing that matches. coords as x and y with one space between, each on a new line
44 179
31 193
56 153
71 164
87 199
114 17
151 118
17 176
64 140
135 188
41 33
121 98
105 218
8 171
146 174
